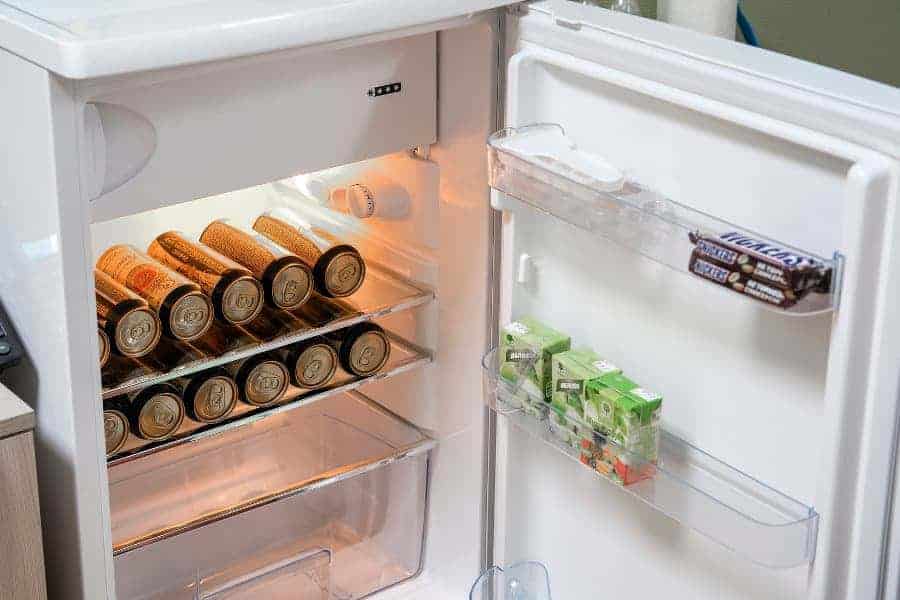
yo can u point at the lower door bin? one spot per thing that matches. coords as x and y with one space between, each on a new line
350 524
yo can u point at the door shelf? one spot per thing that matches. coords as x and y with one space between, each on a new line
541 168
405 356
383 293
688 485
254 510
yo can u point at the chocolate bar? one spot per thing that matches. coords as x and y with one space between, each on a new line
740 282
763 261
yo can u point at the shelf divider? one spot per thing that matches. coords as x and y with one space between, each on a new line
689 485
538 166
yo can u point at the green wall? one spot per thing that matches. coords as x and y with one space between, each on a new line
858 36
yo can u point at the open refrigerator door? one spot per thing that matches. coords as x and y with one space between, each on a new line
697 262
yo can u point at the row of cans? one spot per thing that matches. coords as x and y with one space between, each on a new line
180 286
156 412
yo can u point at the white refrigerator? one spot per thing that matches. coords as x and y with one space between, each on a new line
621 137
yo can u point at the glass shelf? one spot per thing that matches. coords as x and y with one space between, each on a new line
383 293
541 168
688 485
404 357
294 453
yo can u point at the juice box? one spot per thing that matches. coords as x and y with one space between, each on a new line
570 371
602 397
526 348
629 417
638 420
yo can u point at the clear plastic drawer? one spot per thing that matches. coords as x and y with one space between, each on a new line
328 495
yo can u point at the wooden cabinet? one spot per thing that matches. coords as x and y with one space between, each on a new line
21 548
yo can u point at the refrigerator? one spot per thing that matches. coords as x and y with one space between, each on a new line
550 160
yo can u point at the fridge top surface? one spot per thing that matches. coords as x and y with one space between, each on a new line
95 38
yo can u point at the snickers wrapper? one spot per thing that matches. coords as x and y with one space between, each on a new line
763 261
740 282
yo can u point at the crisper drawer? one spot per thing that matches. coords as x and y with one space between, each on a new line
160 138
326 501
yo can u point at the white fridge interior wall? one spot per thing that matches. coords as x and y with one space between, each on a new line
767 393
442 242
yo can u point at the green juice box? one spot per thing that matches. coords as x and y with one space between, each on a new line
626 413
571 371
526 348
644 412
603 398
570 385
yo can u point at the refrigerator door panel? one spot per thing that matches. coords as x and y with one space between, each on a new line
98 38
804 404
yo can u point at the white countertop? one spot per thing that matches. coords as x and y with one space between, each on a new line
93 38
15 415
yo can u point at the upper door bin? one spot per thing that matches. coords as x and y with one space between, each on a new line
540 166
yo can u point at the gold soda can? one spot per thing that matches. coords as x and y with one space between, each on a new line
319 310
236 295
338 268
272 323
262 379
121 369
183 309
156 412
209 396
131 326
115 425
222 338
312 363
103 341
286 279
363 349
170 354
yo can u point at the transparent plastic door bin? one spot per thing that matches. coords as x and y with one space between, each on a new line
520 581
539 166
249 510
687 484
